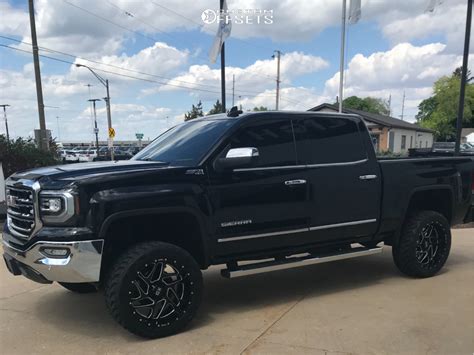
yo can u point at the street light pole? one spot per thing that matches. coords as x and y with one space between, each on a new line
104 82
6 122
59 132
96 130
462 92
277 103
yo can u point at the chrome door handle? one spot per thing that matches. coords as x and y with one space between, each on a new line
368 177
295 182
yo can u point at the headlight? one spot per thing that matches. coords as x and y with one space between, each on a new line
51 205
56 206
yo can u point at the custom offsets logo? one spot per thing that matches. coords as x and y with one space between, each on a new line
238 16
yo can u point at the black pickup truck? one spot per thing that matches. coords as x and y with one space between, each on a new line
274 189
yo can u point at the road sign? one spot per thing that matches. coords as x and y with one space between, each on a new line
139 135
111 132
110 143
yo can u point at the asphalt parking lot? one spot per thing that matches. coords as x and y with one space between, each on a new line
358 306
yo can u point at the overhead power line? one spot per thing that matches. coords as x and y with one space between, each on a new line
112 72
126 69
108 64
147 36
134 77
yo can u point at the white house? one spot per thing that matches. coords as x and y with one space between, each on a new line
389 133
467 135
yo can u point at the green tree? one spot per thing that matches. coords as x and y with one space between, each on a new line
196 111
367 104
426 108
216 109
261 108
22 154
439 112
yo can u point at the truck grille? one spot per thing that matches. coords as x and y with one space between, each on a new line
21 211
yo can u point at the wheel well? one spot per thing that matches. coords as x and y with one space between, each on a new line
432 200
180 229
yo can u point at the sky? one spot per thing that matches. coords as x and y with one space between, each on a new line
155 55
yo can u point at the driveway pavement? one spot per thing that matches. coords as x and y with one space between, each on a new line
359 306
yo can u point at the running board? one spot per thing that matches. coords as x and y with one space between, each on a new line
296 261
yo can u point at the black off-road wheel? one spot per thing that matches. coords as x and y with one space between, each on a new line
79 287
424 244
154 289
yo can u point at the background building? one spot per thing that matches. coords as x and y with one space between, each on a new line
389 133
467 135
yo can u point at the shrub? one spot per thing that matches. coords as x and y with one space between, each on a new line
22 154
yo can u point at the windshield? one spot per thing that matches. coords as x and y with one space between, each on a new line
185 144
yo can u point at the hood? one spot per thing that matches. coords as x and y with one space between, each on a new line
81 171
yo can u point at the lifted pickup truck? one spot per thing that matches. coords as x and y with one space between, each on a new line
274 189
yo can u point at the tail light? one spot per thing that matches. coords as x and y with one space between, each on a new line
472 183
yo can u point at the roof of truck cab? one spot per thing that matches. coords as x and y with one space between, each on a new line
224 116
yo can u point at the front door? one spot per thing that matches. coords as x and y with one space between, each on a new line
265 206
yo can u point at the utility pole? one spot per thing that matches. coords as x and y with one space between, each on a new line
462 92
233 89
341 64
104 82
278 56
96 130
403 106
109 120
6 122
43 141
390 105
59 133
221 6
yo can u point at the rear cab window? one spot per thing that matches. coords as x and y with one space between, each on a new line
328 140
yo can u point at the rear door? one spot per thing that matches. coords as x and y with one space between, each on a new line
264 206
344 182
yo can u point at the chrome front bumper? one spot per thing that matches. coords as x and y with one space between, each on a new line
81 263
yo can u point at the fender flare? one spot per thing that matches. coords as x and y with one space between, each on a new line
439 187
161 210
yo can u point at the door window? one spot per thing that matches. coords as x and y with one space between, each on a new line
272 137
325 140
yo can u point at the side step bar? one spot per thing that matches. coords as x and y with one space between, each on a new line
296 261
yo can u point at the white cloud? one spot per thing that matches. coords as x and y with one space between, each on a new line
254 78
67 28
12 20
157 59
448 20
292 98
404 67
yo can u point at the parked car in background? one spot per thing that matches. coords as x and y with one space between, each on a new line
71 156
467 148
120 153
62 154
133 150
443 147
3 207
87 155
